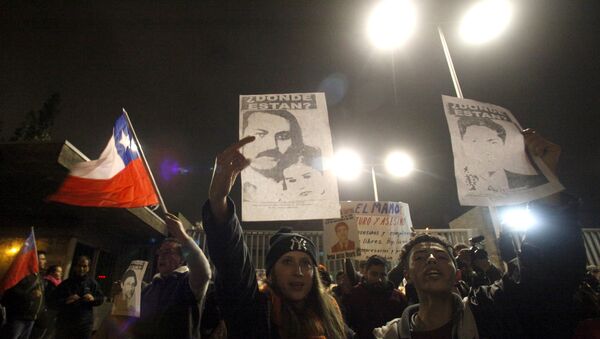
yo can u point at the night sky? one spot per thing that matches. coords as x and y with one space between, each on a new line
178 68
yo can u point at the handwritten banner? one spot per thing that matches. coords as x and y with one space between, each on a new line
383 226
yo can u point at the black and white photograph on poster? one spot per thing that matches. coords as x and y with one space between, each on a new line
340 237
287 178
491 164
127 302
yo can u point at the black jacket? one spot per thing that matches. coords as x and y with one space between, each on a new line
368 307
535 298
169 308
79 314
25 300
245 309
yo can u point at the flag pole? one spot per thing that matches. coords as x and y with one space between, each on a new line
492 209
139 146
37 259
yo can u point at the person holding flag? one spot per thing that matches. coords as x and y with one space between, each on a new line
22 292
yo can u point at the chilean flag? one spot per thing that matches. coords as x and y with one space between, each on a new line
24 264
117 179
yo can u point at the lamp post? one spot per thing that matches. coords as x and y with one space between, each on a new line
374 179
389 26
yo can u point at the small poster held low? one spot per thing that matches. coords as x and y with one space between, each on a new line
491 165
340 237
383 227
127 303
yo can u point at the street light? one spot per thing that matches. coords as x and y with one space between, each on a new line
485 20
347 164
399 164
391 23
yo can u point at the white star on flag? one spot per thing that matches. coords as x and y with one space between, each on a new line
125 140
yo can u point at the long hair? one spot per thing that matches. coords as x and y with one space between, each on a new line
300 323
295 130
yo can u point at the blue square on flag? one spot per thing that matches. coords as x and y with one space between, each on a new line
125 144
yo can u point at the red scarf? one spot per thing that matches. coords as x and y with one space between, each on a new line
53 280
276 314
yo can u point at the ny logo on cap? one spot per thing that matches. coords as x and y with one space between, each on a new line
298 244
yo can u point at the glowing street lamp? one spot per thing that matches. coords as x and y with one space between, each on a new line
391 23
486 20
399 164
347 164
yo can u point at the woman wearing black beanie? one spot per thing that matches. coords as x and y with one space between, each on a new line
294 304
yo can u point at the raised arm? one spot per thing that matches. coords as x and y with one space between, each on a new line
235 278
549 153
228 166
545 273
196 260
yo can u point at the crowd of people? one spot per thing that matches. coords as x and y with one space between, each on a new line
436 290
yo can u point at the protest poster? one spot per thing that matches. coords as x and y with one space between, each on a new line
127 303
340 237
383 227
491 165
286 179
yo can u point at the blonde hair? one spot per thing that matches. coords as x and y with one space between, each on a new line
296 323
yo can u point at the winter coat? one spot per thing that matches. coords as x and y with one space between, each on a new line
25 300
169 308
368 308
79 314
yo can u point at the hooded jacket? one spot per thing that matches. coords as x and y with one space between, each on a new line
463 322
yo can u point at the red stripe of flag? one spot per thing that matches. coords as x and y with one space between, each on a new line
129 188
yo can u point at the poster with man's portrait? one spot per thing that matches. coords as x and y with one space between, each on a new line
383 227
340 237
127 302
491 164
288 178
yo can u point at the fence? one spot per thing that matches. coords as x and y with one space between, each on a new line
591 239
258 244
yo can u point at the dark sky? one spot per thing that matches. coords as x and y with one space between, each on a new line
179 66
